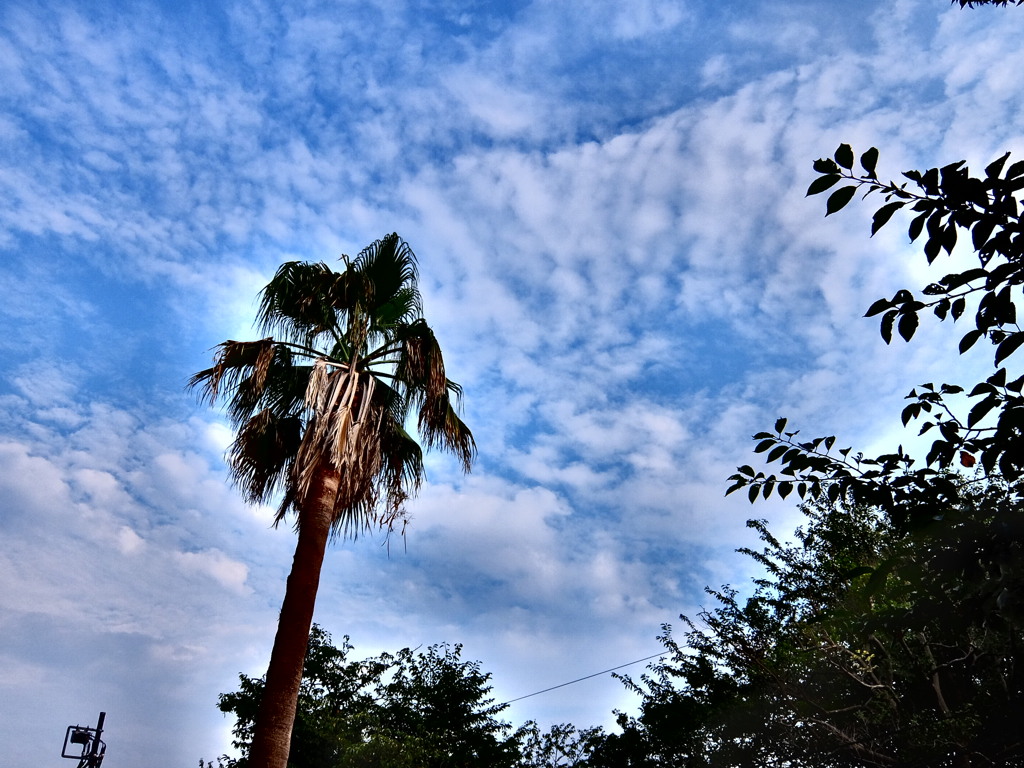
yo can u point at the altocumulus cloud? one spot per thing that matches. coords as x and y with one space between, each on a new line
608 203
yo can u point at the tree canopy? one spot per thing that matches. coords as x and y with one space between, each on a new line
414 708
859 647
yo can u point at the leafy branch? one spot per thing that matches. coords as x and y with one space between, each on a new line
945 200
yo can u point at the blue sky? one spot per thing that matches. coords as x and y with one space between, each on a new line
607 201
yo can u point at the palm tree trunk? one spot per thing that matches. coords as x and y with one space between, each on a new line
272 732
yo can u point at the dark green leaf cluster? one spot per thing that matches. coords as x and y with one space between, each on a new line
561 746
943 201
900 645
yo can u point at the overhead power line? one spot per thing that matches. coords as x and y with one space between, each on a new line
586 677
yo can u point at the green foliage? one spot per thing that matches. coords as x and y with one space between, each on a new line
861 646
412 709
561 746
438 702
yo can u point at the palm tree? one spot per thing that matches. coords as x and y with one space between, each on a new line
320 414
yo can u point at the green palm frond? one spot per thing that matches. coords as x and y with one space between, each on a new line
391 400
297 303
262 454
389 267
402 308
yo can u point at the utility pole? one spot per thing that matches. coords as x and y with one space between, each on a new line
93 747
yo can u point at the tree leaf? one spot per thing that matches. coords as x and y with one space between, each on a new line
957 309
907 326
838 199
844 156
1015 170
912 411
957 279
948 237
1008 346
883 214
822 183
885 327
917 225
878 306
969 340
869 160
982 231
824 165
780 424
980 411
993 169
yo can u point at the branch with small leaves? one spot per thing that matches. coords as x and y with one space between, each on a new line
814 472
944 201
972 3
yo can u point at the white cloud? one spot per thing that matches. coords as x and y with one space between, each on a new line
621 267
229 573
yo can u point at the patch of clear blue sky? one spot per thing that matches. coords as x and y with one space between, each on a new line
117 332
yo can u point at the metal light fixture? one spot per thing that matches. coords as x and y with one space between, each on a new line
93 748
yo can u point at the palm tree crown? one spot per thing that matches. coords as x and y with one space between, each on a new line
332 391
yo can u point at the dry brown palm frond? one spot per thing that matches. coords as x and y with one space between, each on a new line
421 363
234 362
264 359
343 436
440 426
